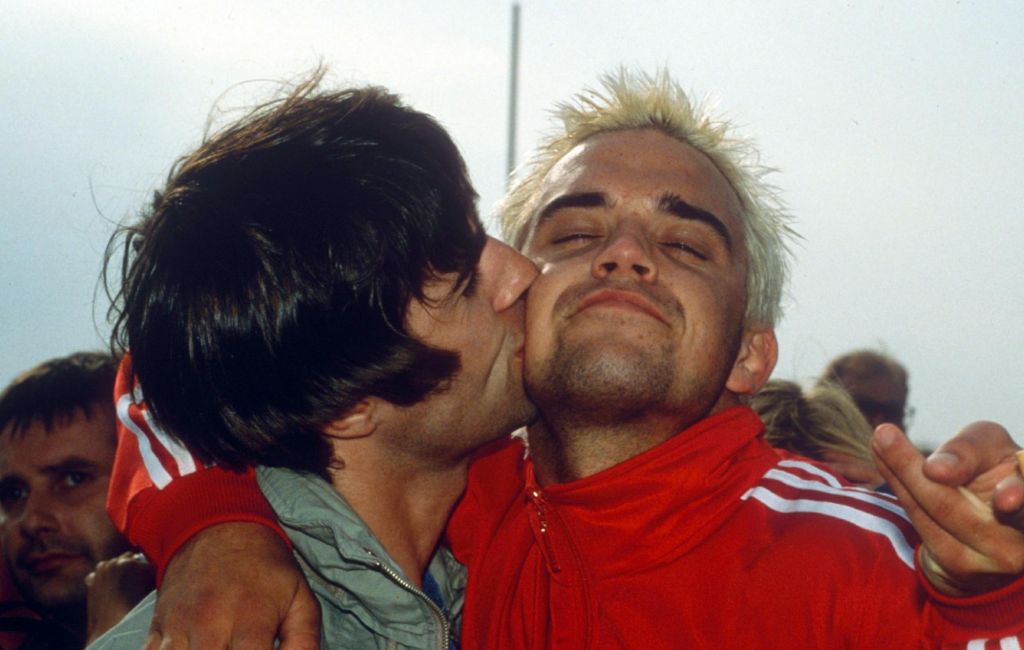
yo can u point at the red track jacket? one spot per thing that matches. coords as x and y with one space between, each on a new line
710 540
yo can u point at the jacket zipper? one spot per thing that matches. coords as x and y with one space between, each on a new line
537 497
405 584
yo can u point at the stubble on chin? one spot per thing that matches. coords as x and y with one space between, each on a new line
56 592
601 379
598 379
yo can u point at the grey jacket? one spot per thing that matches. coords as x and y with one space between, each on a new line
365 600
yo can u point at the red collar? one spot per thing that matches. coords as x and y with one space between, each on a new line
662 502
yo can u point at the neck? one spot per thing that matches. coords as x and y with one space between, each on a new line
404 504
567 453
567 447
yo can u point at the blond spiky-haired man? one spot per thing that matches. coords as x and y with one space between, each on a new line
630 100
646 510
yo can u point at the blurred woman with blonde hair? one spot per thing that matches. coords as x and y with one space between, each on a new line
822 423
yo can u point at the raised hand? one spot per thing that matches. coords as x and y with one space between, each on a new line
966 502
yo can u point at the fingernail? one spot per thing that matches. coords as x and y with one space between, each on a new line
1008 481
885 436
943 458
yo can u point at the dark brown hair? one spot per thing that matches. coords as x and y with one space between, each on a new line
56 390
264 292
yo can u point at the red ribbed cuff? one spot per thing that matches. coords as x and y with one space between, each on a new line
161 521
993 614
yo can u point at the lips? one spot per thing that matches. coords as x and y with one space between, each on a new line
50 562
620 299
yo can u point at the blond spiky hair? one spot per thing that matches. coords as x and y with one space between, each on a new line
637 100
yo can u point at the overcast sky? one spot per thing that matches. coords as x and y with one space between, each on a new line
895 126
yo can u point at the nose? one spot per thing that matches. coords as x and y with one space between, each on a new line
38 516
624 253
510 272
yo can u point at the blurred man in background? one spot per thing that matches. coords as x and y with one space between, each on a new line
57 442
876 382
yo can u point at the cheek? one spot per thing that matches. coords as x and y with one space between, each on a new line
9 539
537 342
539 324
713 314
723 300
89 518
102 540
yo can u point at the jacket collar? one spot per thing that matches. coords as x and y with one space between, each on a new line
347 565
660 503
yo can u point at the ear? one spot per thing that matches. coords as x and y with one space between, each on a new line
360 421
759 350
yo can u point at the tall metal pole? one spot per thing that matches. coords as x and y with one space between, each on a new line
513 95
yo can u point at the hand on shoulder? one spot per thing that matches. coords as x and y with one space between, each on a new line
235 585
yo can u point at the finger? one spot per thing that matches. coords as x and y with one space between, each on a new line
972 552
254 638
200 630
1008 501
159 641
932 534
977 447
156 641
940 513
257 631
166 634
300 629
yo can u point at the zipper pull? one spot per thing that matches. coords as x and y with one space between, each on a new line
540 508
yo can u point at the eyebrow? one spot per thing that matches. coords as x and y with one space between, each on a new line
669 202
71 464
578 200
674 204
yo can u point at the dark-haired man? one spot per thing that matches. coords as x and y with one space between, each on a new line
57 442
876 382
313 293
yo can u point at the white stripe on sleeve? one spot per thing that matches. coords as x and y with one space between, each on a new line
186 463
866 496
157 473
850 514
817 471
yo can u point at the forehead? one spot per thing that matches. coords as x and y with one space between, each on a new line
644 164
91 438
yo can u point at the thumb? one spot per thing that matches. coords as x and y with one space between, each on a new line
976 448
